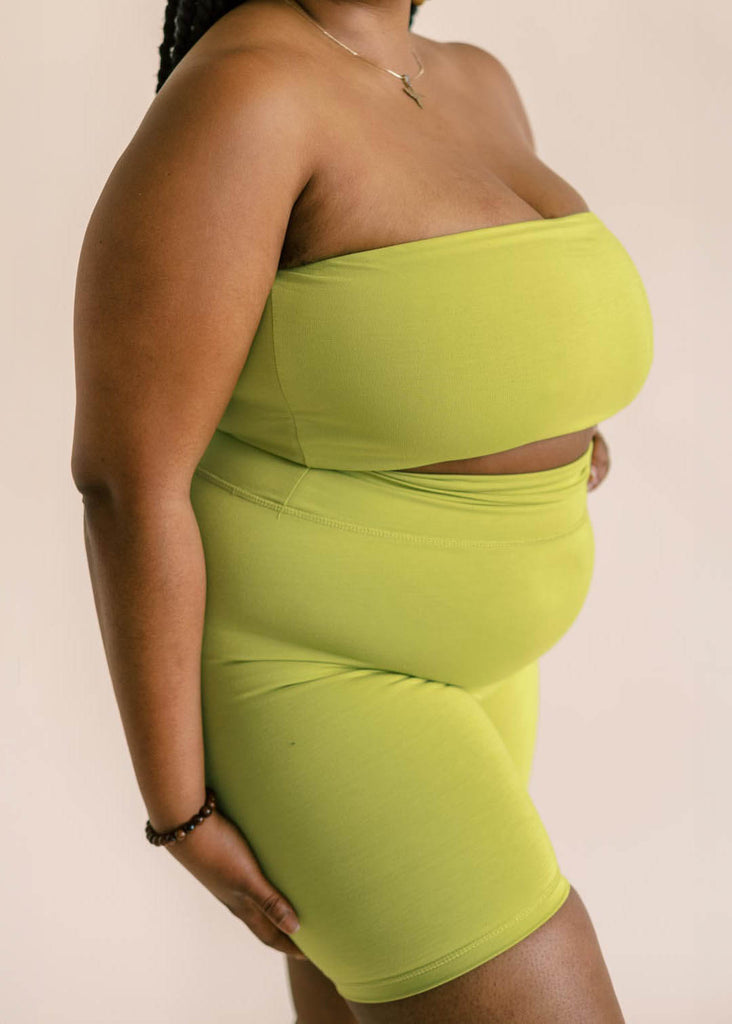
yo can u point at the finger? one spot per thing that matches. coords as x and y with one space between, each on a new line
600 462
273 904
596 473
602 465
264 929
257 888
600 449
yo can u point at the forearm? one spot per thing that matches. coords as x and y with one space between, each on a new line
148 578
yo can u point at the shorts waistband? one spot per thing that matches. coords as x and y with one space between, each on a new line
477 508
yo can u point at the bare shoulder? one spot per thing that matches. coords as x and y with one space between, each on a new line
236 100
476 60
179 256
273 31
247 57
485 67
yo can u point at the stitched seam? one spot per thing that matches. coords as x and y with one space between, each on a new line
463 949
273 333
401 537
292 491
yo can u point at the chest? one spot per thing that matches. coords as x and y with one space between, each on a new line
383 180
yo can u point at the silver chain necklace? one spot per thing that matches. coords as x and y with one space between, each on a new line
407 86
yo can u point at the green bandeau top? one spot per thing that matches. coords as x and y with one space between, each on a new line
444 348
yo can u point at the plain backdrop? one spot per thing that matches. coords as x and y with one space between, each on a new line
630 102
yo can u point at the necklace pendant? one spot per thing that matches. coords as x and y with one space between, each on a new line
409 89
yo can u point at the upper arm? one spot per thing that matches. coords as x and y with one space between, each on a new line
176 264
499 79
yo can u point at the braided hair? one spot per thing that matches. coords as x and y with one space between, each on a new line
185 23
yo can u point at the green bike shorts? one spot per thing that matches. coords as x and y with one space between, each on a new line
369 686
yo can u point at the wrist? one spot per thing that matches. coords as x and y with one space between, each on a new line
176 833
165 814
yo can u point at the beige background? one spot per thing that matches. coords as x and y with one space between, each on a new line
631 103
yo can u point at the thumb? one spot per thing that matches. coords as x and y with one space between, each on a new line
272 903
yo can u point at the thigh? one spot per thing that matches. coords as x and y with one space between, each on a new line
369 690
315 998
555 975
512 704
389 811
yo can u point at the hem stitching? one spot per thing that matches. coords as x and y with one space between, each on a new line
397 535
463 949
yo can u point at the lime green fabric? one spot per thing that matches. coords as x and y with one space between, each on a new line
370 699
445 348
372 636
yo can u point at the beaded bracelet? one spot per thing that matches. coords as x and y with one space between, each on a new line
178 834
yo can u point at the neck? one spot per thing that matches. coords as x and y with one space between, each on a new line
377 28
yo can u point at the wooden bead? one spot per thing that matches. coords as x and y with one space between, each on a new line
178 834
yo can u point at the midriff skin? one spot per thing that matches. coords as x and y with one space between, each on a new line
527 458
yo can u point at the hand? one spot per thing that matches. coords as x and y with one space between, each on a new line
600 463
219 856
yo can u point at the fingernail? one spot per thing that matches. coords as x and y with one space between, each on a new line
291 924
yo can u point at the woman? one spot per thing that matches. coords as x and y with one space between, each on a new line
343 342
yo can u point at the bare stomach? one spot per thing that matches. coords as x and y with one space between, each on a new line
527 458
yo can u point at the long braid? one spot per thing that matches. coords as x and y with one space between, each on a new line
167 47
185 23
